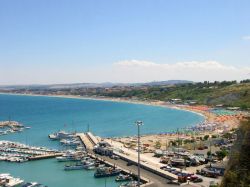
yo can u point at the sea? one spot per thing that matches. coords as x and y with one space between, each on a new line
46 115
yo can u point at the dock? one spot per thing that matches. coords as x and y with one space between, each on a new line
88 139
40 157
144 180
148 167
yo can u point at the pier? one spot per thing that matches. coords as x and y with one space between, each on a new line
111 163
151 172
40 157
88 139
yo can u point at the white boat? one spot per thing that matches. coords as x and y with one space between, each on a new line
32 184
88 165
129 184
61 135
77 166
70 142
67 158
13 182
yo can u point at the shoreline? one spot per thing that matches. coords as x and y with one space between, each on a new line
208 117
118 100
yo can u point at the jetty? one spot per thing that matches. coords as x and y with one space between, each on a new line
46 156
17 152
124 170
88 139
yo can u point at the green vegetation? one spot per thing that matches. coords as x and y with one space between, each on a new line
221 154
228 135
157 144
214 136
238 171
206 137
228 93
209 153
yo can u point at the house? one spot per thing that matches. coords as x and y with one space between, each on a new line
103 148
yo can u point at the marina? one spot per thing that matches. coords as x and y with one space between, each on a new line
7 127
17 152
77 151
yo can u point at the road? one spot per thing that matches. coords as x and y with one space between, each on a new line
156 180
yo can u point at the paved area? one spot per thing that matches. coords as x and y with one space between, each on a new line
85 140
157 180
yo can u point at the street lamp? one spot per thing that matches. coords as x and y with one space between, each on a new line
138 124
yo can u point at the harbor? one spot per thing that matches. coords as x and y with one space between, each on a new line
76 153
7 127
111 158
17 152
87 159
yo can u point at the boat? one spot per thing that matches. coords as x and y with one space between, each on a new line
70 156
77 166
129 184
88 165
61 135
106 172
70 142
9 181
33 184
121 178
67 158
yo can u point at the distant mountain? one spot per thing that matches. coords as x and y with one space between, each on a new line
93 85
168 82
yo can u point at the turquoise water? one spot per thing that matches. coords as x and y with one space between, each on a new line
49 114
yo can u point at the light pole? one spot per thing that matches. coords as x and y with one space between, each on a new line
138 124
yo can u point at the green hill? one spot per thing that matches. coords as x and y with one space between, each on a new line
226 93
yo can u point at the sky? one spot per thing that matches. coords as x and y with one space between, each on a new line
75 41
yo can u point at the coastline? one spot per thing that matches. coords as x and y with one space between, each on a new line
118 100
208 116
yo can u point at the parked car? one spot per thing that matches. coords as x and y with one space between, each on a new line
197 180
173 182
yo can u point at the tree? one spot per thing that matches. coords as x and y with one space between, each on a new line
221 154
214 136
206 137
209 153
157 144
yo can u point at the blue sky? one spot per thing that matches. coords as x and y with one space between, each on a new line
59 41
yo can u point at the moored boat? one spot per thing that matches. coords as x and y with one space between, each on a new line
121 178
106 172
77 166
129 184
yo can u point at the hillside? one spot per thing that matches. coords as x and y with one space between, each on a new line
238 170
227 93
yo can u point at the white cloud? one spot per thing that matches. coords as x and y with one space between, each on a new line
246 37
141 71
135 63
124 71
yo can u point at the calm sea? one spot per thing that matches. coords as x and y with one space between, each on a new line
46 115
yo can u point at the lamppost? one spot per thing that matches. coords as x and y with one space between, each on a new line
138 124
